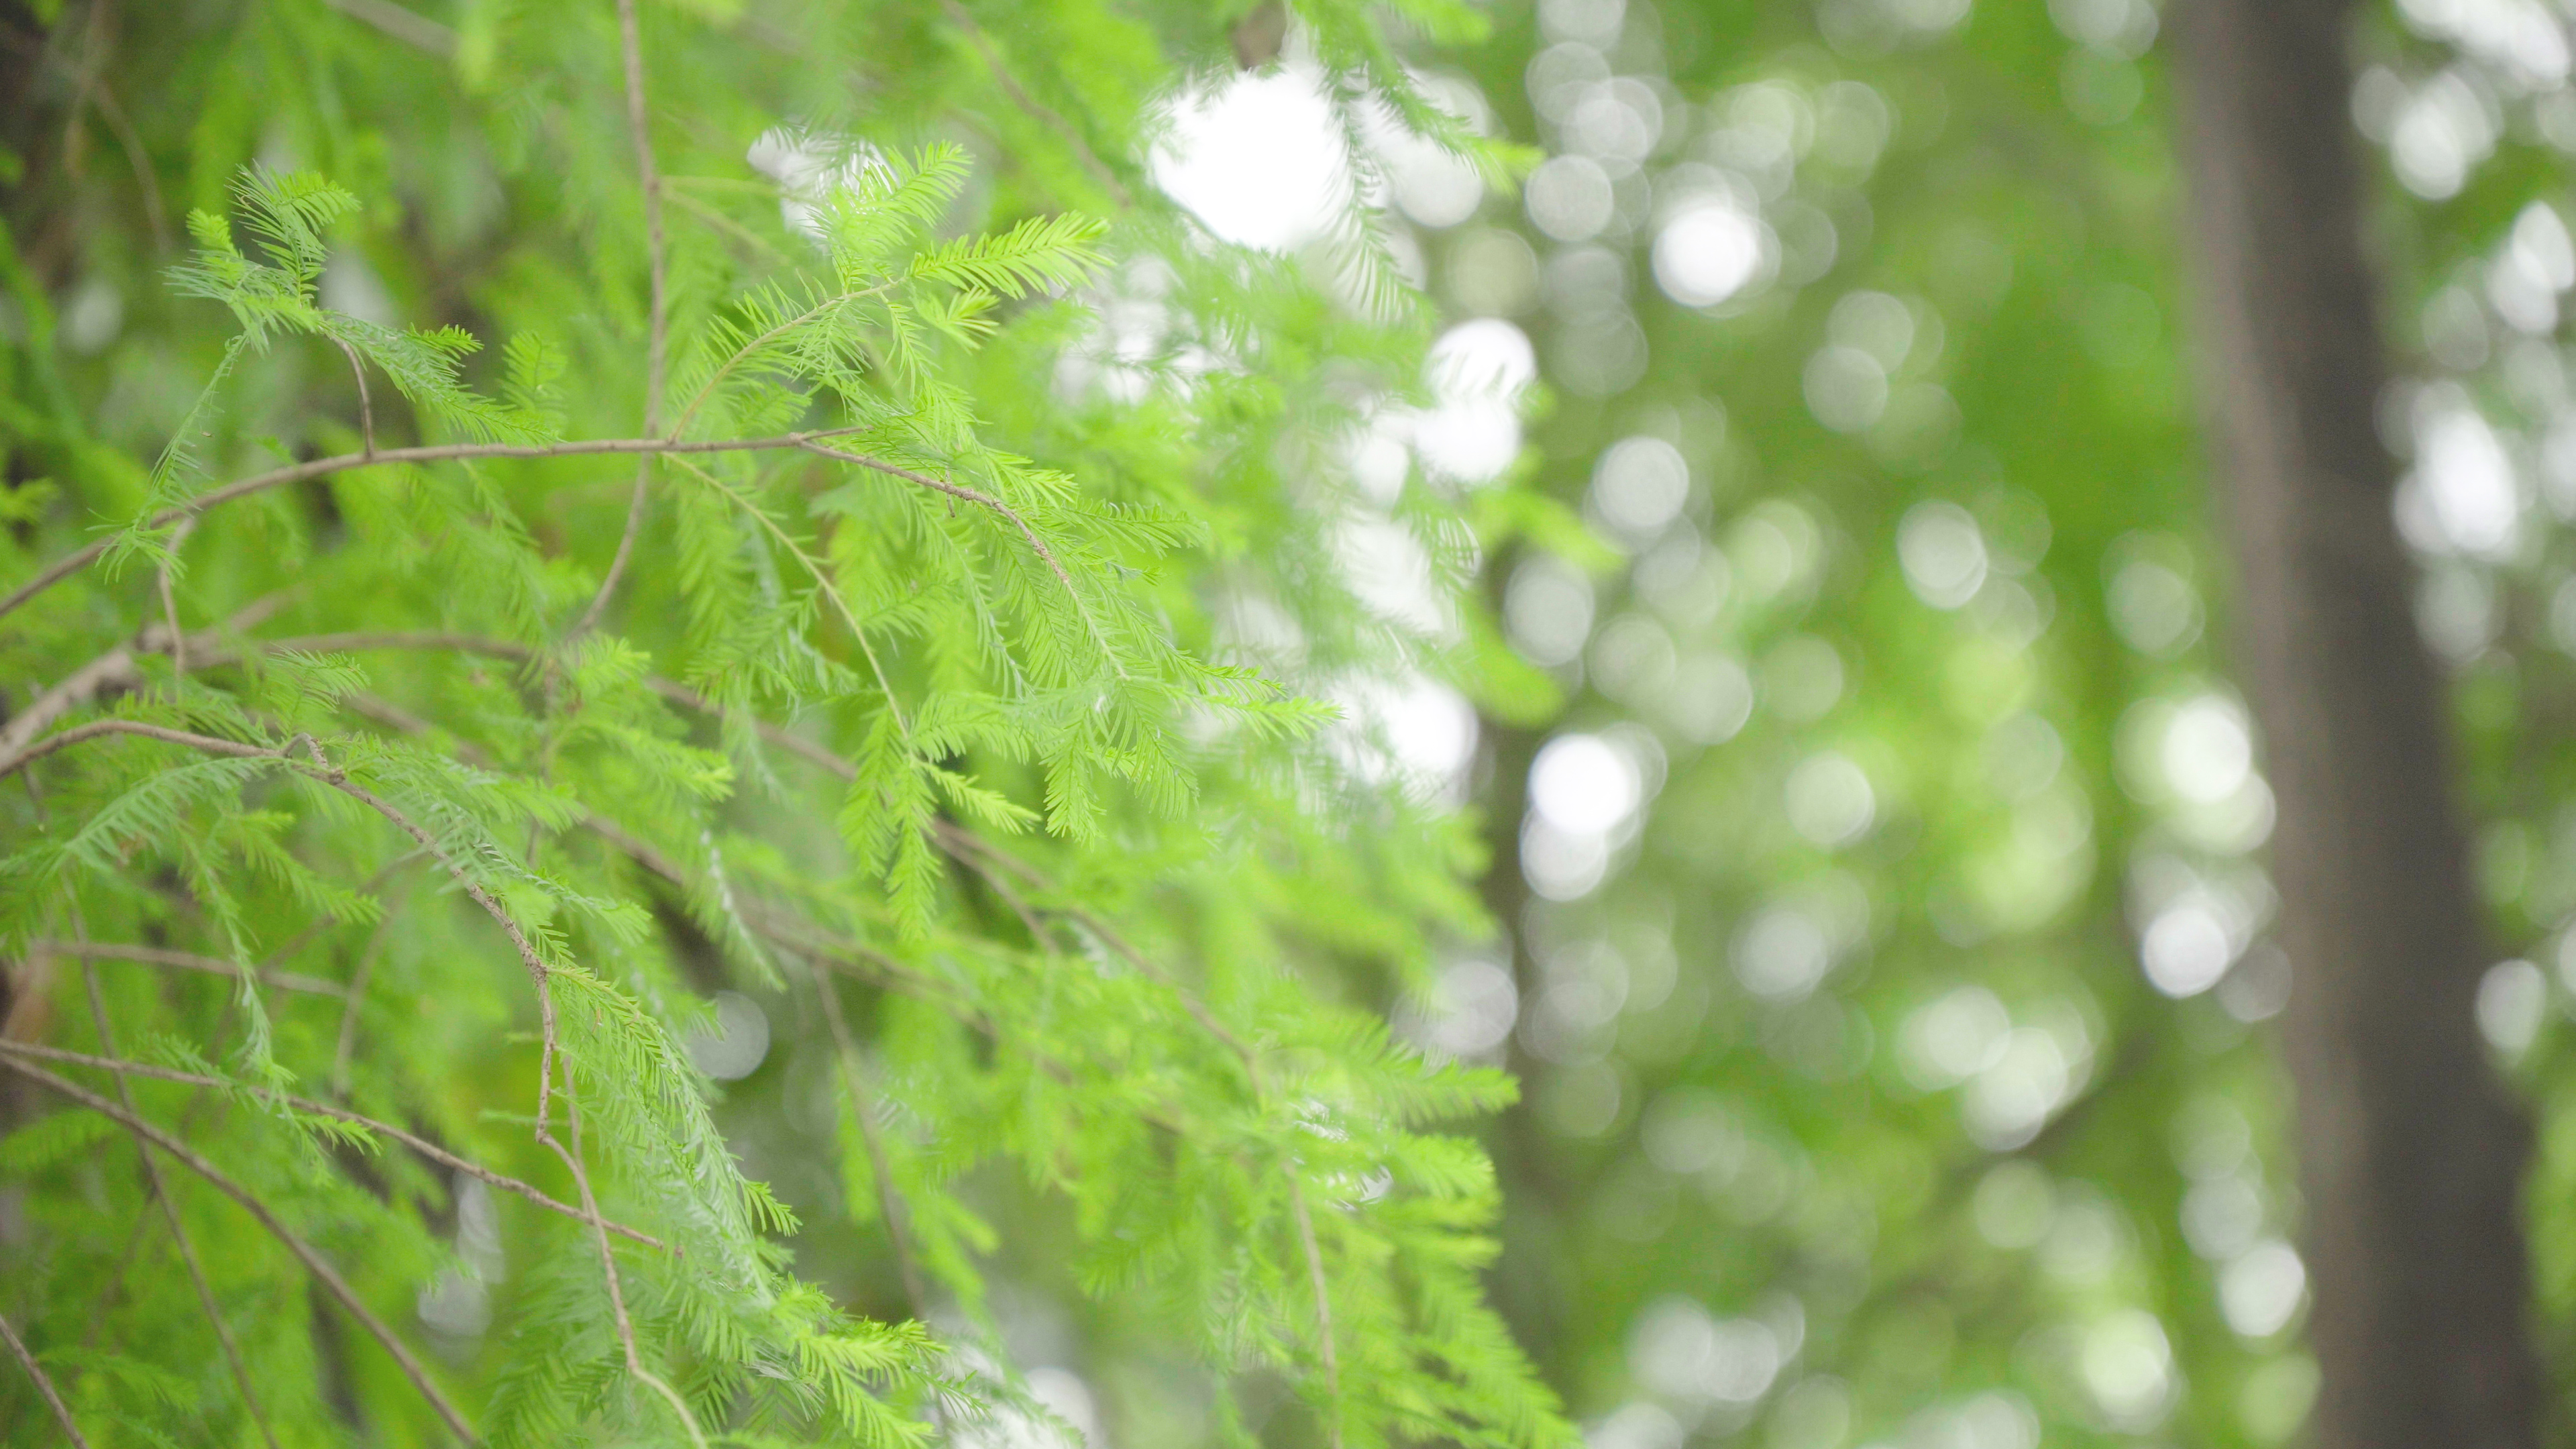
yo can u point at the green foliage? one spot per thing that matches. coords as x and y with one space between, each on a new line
438 769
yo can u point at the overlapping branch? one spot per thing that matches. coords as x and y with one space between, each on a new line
160 1190
72 563
44 1384
314 1262
412 1140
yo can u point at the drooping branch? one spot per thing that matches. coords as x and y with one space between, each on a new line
1038 110
658 328
890 1203
982 499
232 749
159 1187
163 582
822 581
414 1141
72 563
189 961
314 1262
44 1384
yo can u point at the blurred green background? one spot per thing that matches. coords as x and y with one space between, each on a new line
1898 1069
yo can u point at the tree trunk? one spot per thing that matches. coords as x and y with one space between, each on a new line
2410 1155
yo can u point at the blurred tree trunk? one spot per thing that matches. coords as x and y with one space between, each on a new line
2410 1156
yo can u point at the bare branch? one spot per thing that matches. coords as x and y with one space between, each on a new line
314 1262
415 1142
72 563
44 1384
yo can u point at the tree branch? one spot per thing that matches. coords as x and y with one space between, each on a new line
44 1384
890 1203
170 598
160 1189
366 403
72 563
314 1262
414 1141
822 581
64 739
983 499
189 961
658 334
1044 114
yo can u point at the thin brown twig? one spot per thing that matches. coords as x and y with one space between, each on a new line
1044 114
137 158
542 975
314 1262
64 739
114 672
608 1262
344 1052
170 597
657 338
976 496
982 499
159 1187
73 562
414 1141
366 401
110 673
44 1384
